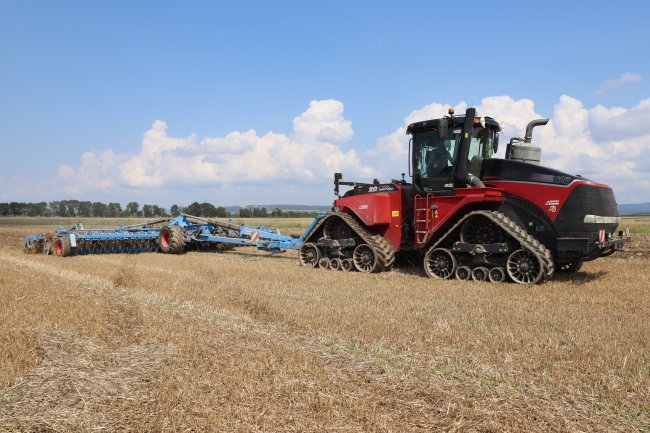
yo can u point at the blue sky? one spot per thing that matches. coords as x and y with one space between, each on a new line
84 86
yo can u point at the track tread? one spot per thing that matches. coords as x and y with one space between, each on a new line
515 231
382 249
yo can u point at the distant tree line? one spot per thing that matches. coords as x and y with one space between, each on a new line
80 208
88 209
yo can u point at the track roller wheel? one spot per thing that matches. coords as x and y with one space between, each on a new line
335 264
365 259
524 267
347 265
309 255
171 240
324 263
463 273
440 263
62 246
497 275
480 273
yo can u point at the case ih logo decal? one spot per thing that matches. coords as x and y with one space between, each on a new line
382 188
552 205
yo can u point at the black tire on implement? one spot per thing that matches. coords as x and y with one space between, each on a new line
171 240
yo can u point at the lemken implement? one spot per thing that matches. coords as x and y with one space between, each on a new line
465 214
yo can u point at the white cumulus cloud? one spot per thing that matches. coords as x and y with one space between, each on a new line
624 79
608 144
309 155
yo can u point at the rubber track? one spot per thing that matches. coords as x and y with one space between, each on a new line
516 232
381 248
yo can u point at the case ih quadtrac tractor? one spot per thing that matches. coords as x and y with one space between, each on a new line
469 216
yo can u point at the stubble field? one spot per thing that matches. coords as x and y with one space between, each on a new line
243 341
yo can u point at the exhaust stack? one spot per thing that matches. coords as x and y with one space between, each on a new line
523 149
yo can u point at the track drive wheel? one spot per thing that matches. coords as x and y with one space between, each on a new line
171 240
336 229
309 255
365 259
324 263
524 267
480 230
440 263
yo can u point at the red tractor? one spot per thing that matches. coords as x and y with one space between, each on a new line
467 215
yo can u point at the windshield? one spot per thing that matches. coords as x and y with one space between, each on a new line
434 158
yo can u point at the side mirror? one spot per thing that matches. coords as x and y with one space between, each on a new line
495 143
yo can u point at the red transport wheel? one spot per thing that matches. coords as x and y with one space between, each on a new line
364 259
480 273
497 275
62 246
324 263
309 255
335 264
171 239
524 267
347 265
463 273
440 263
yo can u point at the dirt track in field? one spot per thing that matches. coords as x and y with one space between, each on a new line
242 341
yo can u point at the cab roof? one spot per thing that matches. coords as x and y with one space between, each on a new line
453 122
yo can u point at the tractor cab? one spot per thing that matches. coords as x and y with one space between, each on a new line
436 146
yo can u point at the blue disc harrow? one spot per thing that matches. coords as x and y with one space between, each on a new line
169 235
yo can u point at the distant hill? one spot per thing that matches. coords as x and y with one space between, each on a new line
270 207
634 209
